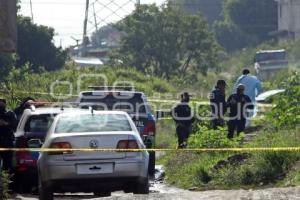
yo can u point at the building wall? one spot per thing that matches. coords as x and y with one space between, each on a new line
289 17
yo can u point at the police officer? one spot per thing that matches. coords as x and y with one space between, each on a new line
25 104
8 123
218 104
183 117
238 104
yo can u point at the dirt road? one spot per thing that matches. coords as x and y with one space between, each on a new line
266 194
160 191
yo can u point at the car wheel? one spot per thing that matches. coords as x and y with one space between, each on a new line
142 187
102 193
45 192
151 167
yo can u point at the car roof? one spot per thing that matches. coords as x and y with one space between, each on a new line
84 111
108 91
263 96
271 51
49 110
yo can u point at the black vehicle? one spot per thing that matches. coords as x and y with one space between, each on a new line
134 103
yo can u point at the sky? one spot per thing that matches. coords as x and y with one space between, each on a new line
67 16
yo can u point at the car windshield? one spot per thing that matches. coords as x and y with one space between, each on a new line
39 123
92 123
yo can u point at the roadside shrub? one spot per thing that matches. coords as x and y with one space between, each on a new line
4 185
286 114
209 138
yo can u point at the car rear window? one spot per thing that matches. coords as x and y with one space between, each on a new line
38 123
111 102
92 123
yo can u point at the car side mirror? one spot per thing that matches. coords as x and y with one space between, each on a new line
35 143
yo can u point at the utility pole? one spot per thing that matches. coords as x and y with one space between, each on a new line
85 39
31 10
95 17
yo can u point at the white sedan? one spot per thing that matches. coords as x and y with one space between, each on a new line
75 170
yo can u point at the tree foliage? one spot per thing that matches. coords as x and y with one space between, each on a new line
7 61
100 37
165 42
246 23
35 46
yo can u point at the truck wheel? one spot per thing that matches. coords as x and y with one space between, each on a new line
151 166
142 187
45 192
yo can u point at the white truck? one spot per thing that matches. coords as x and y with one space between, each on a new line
269 62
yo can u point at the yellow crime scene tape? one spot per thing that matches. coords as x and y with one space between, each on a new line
149 100
201 150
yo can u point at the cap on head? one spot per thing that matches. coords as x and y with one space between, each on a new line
246 71
221 82
185 94
241 87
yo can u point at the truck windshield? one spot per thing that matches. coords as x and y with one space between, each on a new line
131 105
38 125
267 56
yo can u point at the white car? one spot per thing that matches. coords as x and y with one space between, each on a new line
266 96
74 170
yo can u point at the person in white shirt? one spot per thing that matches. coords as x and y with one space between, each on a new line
253 88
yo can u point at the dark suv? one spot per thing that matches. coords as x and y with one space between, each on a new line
134 103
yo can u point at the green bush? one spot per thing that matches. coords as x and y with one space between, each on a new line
286 114
4 185
209 138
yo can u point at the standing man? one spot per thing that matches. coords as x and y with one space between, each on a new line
252 89
218 104
8 123
25 104
183 117
238 104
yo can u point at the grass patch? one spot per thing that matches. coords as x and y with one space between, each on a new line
214 171
4 185
165 134
73 80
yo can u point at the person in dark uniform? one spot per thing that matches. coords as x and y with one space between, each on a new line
25 104
8 123
183 117
238 104
218 104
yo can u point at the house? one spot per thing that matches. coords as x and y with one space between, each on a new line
289 19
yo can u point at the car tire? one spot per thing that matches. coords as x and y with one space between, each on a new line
102 193
151 166
45 192
142 187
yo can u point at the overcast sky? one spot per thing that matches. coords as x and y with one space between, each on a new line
66 16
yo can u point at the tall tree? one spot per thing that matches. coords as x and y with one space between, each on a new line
246 23
36 47
255 17
164 42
